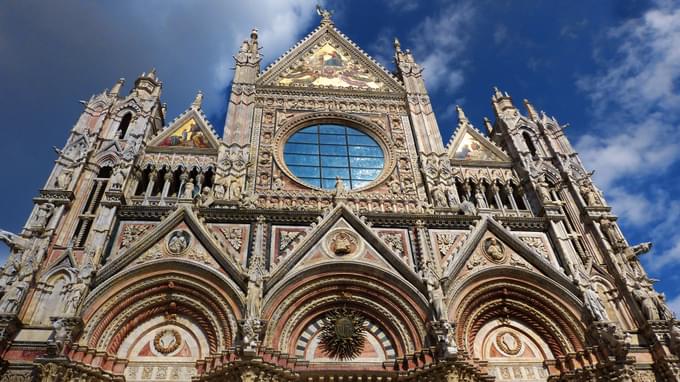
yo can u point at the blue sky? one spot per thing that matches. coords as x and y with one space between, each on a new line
611 69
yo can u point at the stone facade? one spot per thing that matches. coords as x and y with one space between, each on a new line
161 252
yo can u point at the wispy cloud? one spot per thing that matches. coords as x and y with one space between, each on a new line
636 134
190 44
439 43
402 5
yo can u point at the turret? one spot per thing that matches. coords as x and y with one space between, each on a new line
423 121
241 101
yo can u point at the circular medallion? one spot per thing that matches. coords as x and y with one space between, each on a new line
167 341
343 243
494 250
178 242
508 342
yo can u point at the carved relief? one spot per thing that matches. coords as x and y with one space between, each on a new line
537 244
178 242
494 250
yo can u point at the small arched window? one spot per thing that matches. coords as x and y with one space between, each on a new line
124 124
530 143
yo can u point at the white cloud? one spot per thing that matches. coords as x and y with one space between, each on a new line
402 5
636 99
190 44
439 43
635 137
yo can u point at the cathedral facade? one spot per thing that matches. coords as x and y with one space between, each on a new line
328 235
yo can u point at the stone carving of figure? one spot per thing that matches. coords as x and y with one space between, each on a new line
494 249
63 180
339 187
590 195
665 312
254 297
118 178
592 302
611 233
647 302
205 198
13 295
236 187
468 208
342 244
178 242
450 340
60 334
395 186
674 334
8 275
633 252
43 215
188 189
78 289
439 196
543 189
277 184
434 291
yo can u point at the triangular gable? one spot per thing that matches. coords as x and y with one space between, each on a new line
190 131
161 235
469 145
326 58
489 244
364 246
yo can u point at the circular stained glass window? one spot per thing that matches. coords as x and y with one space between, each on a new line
318 154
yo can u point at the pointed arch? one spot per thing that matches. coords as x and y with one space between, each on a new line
172 289
398 310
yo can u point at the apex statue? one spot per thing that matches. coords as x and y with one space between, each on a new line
329 234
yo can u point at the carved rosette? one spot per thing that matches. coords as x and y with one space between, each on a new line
343 334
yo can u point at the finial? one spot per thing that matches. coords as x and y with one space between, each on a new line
152 73
497 93
117 86
530 110
462 118
325 15
197 101
253 34
397 45
488 125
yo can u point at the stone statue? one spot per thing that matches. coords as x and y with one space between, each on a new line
236 187
76 293
592 302
647 302
590 195
13 296
205 198
451 348
8 275
188 189
63 180
543 189
468 208
254 297
674 334
435 292
631 253
340 189
611 233
439 196
277 183
60 335
395 186
118 178
43 215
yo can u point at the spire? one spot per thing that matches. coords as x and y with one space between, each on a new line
496 93
115 90
148 83
325 15
462 118
196 105
488 126
502 103
397 45
530 110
